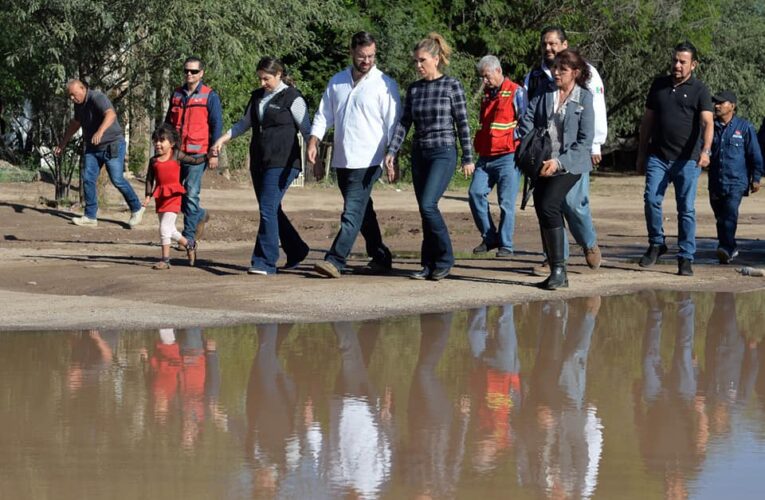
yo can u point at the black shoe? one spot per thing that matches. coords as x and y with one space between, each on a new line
422 274
684 267
376 267
651 255
439 274
484 247
558 279
504 253
724 257
295 262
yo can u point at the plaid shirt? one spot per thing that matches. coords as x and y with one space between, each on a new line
435 106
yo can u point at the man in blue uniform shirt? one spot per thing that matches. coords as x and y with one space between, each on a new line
735 168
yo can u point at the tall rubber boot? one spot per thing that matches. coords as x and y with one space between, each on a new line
555 239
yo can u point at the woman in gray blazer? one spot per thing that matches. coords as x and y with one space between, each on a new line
567 114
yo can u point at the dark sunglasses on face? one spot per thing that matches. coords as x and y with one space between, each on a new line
191 71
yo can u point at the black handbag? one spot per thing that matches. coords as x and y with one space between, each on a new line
534 149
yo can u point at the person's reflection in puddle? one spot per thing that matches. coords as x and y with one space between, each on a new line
360 448
431 458
186 367
496 383
671 417
561 438
725 351
92 354
271 407
284 442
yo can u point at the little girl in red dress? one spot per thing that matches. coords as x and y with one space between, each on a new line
163 182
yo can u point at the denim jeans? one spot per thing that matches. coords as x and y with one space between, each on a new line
270 186
191 178
725 207
576 210
432 169
682 379
684 175
115 165
493 171
358 216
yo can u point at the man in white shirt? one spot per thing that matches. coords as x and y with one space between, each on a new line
576 208
363 105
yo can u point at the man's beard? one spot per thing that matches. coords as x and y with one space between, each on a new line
361 71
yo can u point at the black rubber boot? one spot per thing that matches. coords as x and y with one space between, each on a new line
554 240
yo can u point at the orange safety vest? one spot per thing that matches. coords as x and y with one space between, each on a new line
189 117
496 135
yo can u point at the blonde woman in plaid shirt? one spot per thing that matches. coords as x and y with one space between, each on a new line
436 106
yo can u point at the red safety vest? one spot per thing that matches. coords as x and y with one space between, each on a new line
498 122
189 117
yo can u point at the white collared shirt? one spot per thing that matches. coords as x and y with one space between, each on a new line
363 115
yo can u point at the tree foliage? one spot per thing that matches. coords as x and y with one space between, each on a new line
134 51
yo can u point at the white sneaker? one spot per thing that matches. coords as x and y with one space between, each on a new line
136 217
84 221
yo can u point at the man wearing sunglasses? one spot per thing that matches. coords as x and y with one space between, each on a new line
195 111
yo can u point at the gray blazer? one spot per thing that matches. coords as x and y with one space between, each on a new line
578 126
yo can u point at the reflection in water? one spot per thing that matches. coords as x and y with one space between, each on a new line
185 376
432 458
653 395
671 417
360 446
561 436
496 382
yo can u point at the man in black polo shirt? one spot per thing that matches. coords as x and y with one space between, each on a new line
678 112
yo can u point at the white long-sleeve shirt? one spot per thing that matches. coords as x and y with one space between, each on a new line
595 86
363 115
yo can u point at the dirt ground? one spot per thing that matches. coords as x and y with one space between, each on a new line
54 275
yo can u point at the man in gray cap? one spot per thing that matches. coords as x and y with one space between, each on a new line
735 169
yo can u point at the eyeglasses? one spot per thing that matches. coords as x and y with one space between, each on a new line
191 71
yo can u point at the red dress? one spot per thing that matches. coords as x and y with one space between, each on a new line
168 190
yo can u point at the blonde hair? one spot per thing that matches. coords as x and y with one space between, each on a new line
435 45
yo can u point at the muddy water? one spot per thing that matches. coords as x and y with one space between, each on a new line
647 396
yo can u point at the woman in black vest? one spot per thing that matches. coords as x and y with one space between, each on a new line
277 112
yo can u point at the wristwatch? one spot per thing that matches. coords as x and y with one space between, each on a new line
707 152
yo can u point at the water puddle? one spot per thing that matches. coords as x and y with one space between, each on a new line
645 396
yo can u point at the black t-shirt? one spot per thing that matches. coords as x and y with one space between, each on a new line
90 114
677 126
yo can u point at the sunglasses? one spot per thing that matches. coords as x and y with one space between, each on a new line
191 71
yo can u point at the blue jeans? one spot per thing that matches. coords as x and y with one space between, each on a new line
725 207
358 216
432 169
191 178
682 376
270 186
493 171
115 165
576 210
684 175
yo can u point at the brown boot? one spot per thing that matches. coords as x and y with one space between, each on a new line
592 256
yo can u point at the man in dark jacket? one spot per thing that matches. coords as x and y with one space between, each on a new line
735 168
